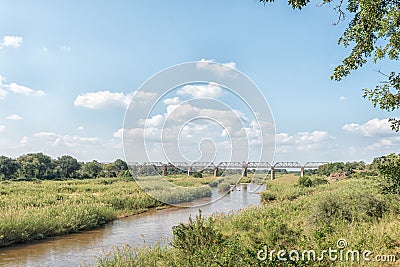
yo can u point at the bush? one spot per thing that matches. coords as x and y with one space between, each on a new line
389 167
267 196
305 181
197 175
319 181
349 208
224 187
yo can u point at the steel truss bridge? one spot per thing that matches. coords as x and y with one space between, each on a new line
234 165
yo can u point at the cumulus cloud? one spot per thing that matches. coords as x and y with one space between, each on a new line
2 128
82 147
211 90
11 41
343 98
209 64
316 136
309 142
14 117
23 90
107 99
3 93
172 101
80 128
17 89
371 128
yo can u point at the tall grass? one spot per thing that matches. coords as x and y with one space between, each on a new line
296 217
40 209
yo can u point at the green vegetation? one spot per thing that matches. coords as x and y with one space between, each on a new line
224 187
39 209
39 166
389 167
373 32
292 217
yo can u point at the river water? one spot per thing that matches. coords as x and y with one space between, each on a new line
146 228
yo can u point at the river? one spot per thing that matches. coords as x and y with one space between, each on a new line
149 227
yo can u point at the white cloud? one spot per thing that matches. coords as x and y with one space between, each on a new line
23 90
2 128
65 48
63 142
17 89
172 101
107 99
80 128
221 70
11 41
82 147
44 49
155 121
343 98
14 117
316 136
3 93
371 128
283 138
211 90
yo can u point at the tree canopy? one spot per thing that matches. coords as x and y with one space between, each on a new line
373 33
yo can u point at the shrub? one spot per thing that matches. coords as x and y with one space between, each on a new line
349 208
267 196
389 167
224 187
305 181
197 175
319 181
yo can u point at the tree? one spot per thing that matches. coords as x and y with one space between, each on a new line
66 166
91 169
8 168
35 165
373 33
389 167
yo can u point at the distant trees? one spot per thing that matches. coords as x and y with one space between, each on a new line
348 167
66 166
35 165
40 166
8 168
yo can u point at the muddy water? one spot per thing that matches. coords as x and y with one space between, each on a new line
148 227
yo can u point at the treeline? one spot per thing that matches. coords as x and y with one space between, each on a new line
351 168
40 166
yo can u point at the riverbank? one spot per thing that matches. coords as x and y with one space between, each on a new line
37 210
348 215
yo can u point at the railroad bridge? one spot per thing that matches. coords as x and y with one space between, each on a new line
225 165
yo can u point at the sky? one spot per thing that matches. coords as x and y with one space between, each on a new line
70 69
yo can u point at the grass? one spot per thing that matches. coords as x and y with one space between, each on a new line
40 209
291 217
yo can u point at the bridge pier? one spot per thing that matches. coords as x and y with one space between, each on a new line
215 171
302 172
244 170
272 173
190 171
164 171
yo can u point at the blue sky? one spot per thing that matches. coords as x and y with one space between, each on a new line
52 52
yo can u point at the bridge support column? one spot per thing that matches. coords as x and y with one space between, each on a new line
190 171
302 172
244 170
215 171
272 173
164 171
